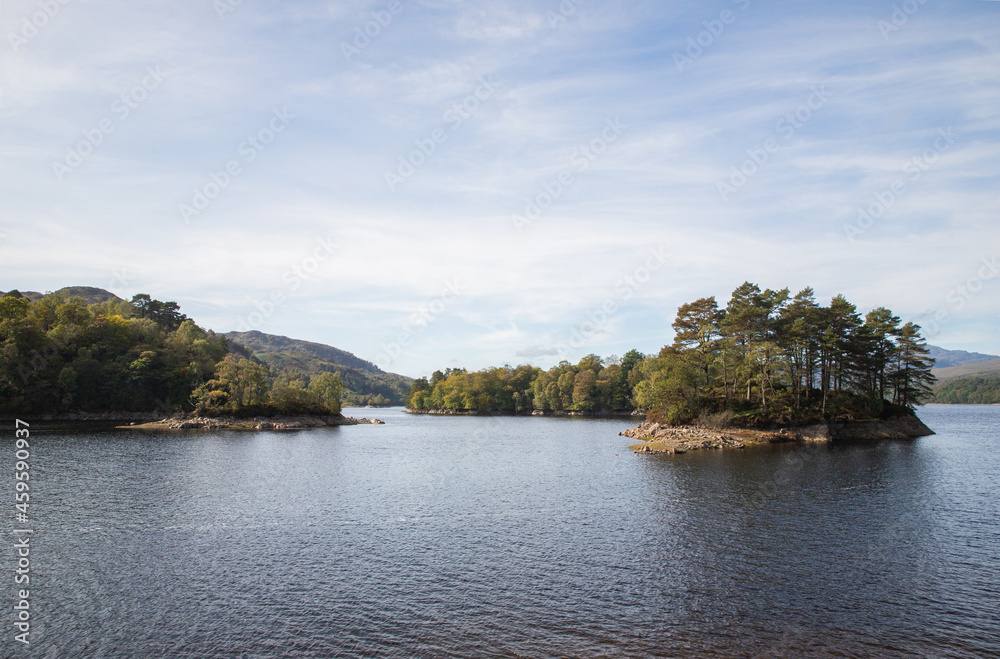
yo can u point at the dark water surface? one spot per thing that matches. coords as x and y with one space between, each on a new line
509 537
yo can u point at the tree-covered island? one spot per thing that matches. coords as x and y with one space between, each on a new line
766 359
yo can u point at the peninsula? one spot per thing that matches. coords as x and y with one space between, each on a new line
84 355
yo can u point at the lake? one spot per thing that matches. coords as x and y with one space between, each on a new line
540 537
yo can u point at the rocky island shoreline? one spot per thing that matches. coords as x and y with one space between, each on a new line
253 423
602 414
659 438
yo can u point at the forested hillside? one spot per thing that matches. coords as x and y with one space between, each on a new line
364 383
979 390
60 354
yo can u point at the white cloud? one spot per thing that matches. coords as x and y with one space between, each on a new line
654 186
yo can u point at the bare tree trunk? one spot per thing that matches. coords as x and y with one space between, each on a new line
824 381
725 376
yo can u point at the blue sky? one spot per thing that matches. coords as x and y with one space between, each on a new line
477 183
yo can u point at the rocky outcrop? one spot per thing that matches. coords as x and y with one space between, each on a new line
443 412
602 414
256 423
819 432
902 427
658 438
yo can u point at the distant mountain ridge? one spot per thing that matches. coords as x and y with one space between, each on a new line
990 368
951 365
948 358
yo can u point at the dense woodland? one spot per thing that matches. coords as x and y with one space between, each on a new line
592 385
977 390
766 357
59 354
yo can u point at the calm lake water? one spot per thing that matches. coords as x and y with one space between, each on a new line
509 537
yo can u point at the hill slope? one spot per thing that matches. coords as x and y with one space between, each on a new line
965 377
950 358
966 370
264 344
365 382
89 293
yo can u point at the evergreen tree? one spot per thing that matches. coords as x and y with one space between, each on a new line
912 379
696 331
878 347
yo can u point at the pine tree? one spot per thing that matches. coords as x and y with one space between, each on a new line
912 378
696 330
798 339
880 330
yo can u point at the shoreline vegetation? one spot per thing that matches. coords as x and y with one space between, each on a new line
767 367
969 390
63 355
767 362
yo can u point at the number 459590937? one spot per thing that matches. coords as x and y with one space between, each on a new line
21 466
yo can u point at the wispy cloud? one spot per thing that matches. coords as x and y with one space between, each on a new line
559 82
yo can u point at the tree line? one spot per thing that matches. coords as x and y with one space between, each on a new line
978 390
59 354
766 357
590 386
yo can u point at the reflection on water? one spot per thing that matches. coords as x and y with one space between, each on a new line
514 536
